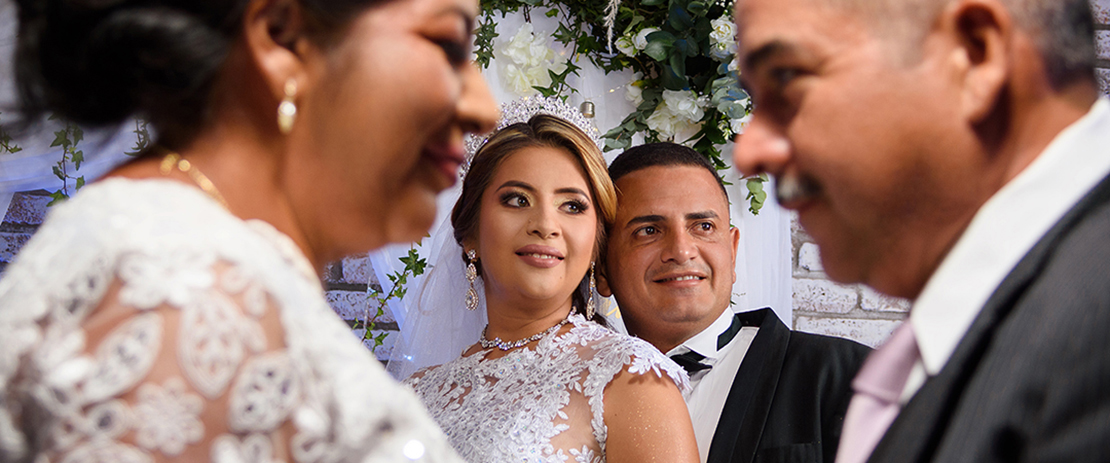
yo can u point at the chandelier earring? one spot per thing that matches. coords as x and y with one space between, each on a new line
591 303
471 275
287 110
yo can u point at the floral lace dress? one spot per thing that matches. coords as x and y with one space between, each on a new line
537 405
144 323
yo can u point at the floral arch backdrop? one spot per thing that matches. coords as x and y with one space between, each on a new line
667 76
689 95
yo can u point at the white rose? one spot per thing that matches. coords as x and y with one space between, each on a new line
684 104
722 39
738 125
625 45
662 121
634 93
723 30
540 53
538 76
518 81
641 39
518 50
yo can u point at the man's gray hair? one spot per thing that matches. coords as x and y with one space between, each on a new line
1063 30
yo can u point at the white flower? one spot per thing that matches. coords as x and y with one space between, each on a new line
520 48
668 124
518 81
662 121
528 60
640 41
723 30
722 39
684 104
626 45
633 92
738 125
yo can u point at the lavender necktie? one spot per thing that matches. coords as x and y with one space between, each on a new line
878 386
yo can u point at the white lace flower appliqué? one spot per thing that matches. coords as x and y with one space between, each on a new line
255 448
168 417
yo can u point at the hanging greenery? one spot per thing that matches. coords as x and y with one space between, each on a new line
686 86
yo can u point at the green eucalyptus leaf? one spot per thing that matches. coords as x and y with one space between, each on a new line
652 2
678 65
672 80
679 19
697 8
657 50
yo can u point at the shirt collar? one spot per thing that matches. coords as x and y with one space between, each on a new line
1007 226
705 342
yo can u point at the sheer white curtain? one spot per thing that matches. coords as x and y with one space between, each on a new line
30 169
763 260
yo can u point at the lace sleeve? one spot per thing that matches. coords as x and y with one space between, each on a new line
617 352
143 322
614 353
177 362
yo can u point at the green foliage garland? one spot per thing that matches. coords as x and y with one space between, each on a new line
678 56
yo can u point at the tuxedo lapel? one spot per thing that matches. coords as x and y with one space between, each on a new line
917 432
752 391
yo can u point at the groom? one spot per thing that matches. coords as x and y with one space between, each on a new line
761 392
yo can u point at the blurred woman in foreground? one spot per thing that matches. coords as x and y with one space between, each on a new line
173 310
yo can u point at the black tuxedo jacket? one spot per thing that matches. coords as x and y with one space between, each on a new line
1030 381
788 400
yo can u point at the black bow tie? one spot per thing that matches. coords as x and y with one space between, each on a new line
691 361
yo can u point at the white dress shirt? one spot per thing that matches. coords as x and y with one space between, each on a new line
1001 233
710 388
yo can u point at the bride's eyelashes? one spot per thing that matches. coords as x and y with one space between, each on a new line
518 200
515 200
575 207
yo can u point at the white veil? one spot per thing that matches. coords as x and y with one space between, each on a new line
436 326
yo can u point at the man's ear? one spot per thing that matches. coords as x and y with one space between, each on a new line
277 42
982 32
734 235
602 282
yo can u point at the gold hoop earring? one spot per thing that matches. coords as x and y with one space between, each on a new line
287 110
471 275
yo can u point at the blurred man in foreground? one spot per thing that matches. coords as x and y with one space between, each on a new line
954 152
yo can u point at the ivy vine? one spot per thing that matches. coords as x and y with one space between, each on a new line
414 267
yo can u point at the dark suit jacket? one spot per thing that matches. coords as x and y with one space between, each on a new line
1030 381
788 400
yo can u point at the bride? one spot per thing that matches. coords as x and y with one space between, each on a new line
546 382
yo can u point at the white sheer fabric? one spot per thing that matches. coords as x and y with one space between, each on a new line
537 405
143 322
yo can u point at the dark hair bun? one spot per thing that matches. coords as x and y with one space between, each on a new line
99 61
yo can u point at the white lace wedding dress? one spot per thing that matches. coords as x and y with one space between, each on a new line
537 405
143 323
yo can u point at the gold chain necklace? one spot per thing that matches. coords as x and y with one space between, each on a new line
175 160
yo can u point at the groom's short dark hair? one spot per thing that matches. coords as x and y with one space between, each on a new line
661 154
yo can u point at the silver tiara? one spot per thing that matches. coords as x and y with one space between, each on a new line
521 110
